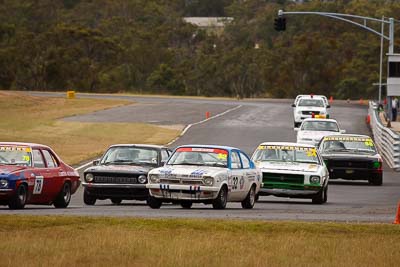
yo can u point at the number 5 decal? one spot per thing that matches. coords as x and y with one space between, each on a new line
37 188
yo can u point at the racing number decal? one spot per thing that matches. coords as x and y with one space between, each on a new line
37 188
235 181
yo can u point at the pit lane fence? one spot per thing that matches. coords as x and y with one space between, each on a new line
387 141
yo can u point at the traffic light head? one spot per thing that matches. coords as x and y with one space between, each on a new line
276 24
280 24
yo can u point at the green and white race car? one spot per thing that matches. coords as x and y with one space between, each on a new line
292 170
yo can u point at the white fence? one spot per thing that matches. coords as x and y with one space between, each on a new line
387 141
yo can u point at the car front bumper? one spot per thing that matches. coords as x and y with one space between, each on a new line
5 194
292 190
288 192
123 191
183 192
354 173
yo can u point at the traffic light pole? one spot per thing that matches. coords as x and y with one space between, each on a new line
347 18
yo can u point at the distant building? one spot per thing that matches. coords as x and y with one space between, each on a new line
208 22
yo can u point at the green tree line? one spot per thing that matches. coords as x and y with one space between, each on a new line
144 46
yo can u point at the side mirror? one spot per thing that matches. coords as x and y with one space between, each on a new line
96 162
293 105
342 131
296 129
328 106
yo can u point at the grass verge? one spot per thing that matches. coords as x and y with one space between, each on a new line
72 241
26 118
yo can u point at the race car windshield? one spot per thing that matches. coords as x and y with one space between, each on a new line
356 145
13 155
199 157
311 103
130 156
327 126
286 154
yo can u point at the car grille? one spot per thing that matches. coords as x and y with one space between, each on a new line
349 164
181 181
115 178
308 112
283 178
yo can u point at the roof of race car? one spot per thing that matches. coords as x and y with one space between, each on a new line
137 145
317 119
348 135
285 144
21 144
211 146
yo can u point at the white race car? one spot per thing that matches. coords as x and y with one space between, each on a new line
324 98
206 174
309 107
292 170
312 131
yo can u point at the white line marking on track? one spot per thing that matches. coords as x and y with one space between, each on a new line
202 121
83 166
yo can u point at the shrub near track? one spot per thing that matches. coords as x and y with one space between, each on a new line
26 118
74 241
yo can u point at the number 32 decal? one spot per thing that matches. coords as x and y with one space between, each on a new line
37 188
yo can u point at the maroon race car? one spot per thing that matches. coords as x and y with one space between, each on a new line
34 174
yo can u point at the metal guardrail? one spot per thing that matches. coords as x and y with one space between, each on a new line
387 141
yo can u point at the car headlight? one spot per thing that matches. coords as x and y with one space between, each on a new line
3 183
142 179
154 178
89 177
315 179
208 180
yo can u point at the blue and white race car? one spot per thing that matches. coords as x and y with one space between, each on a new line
205 174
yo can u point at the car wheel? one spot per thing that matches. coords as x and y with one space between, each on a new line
257 197
221 200
376 181
19 199
116 201
186 204
154 203
248 202
64 197
319 198
88 199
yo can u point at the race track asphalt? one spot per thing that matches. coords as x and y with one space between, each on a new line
252 122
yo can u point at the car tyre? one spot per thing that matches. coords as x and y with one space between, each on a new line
376 181
116 201
257 197
18 201
88 199
154 203
221 200
248 202
321 197
186 204
64 197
